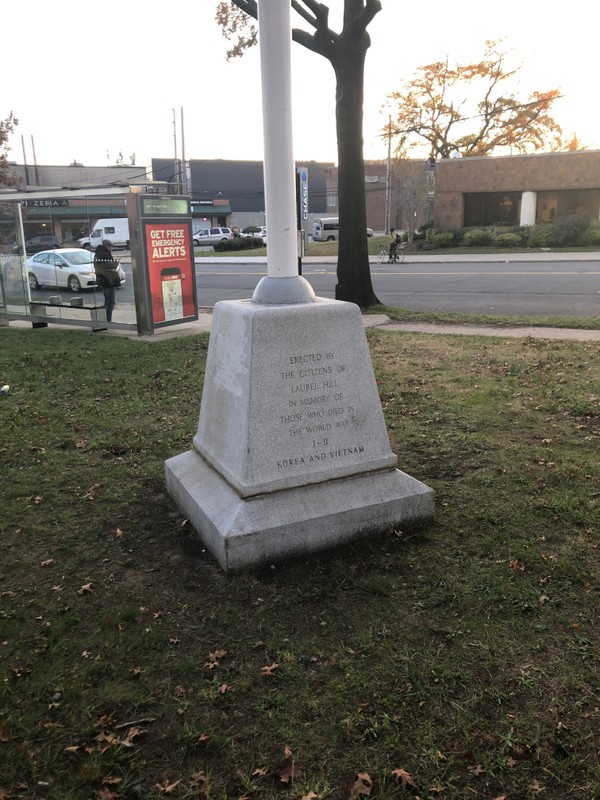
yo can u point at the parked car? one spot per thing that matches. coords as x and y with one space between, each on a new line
38 243
259 233
72 268
212 235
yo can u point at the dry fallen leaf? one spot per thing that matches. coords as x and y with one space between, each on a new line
87 587
168 787
259 772
405 777
92 491
106 794
362 786
47 562
270 669
214 659
112 780
223 688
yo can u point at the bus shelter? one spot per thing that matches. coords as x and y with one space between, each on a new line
46 259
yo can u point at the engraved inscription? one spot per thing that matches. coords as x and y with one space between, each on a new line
316 417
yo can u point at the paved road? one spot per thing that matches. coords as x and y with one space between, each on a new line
527 284
535 286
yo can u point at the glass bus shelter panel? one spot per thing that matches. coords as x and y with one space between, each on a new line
48 275
13 286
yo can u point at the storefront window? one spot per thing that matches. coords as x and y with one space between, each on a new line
500 209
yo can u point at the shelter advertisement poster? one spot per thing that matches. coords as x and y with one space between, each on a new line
171 271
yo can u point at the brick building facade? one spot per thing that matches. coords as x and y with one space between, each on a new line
516 190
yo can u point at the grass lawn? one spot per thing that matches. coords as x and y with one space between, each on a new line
457 661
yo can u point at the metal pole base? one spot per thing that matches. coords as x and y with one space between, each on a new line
282 291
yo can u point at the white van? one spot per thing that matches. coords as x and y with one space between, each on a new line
115 230
326 229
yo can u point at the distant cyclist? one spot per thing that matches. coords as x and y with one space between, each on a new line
395 240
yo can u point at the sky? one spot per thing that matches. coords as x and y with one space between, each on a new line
89 81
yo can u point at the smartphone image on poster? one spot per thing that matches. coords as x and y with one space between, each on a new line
172 294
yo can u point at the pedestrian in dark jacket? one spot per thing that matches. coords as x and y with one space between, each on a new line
107 275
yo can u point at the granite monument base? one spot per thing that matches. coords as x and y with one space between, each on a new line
247 533
292 453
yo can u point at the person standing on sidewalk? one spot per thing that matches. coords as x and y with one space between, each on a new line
107 275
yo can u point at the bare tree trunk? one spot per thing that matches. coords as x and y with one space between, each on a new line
353 271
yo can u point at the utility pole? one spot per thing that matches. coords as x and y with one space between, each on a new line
25 162
388 179
184 176
35 164
175 160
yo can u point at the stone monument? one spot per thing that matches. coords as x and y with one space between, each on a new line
291 455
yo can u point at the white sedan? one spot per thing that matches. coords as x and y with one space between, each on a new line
69 267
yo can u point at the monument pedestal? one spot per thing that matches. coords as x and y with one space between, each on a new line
292 454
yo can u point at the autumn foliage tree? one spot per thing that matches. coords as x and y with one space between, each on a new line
471 109
8 178
346 51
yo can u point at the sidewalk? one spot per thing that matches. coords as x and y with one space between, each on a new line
424 258
383 322
379 321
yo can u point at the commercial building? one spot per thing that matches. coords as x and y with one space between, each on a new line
454 192
516 190
242 183
70 218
